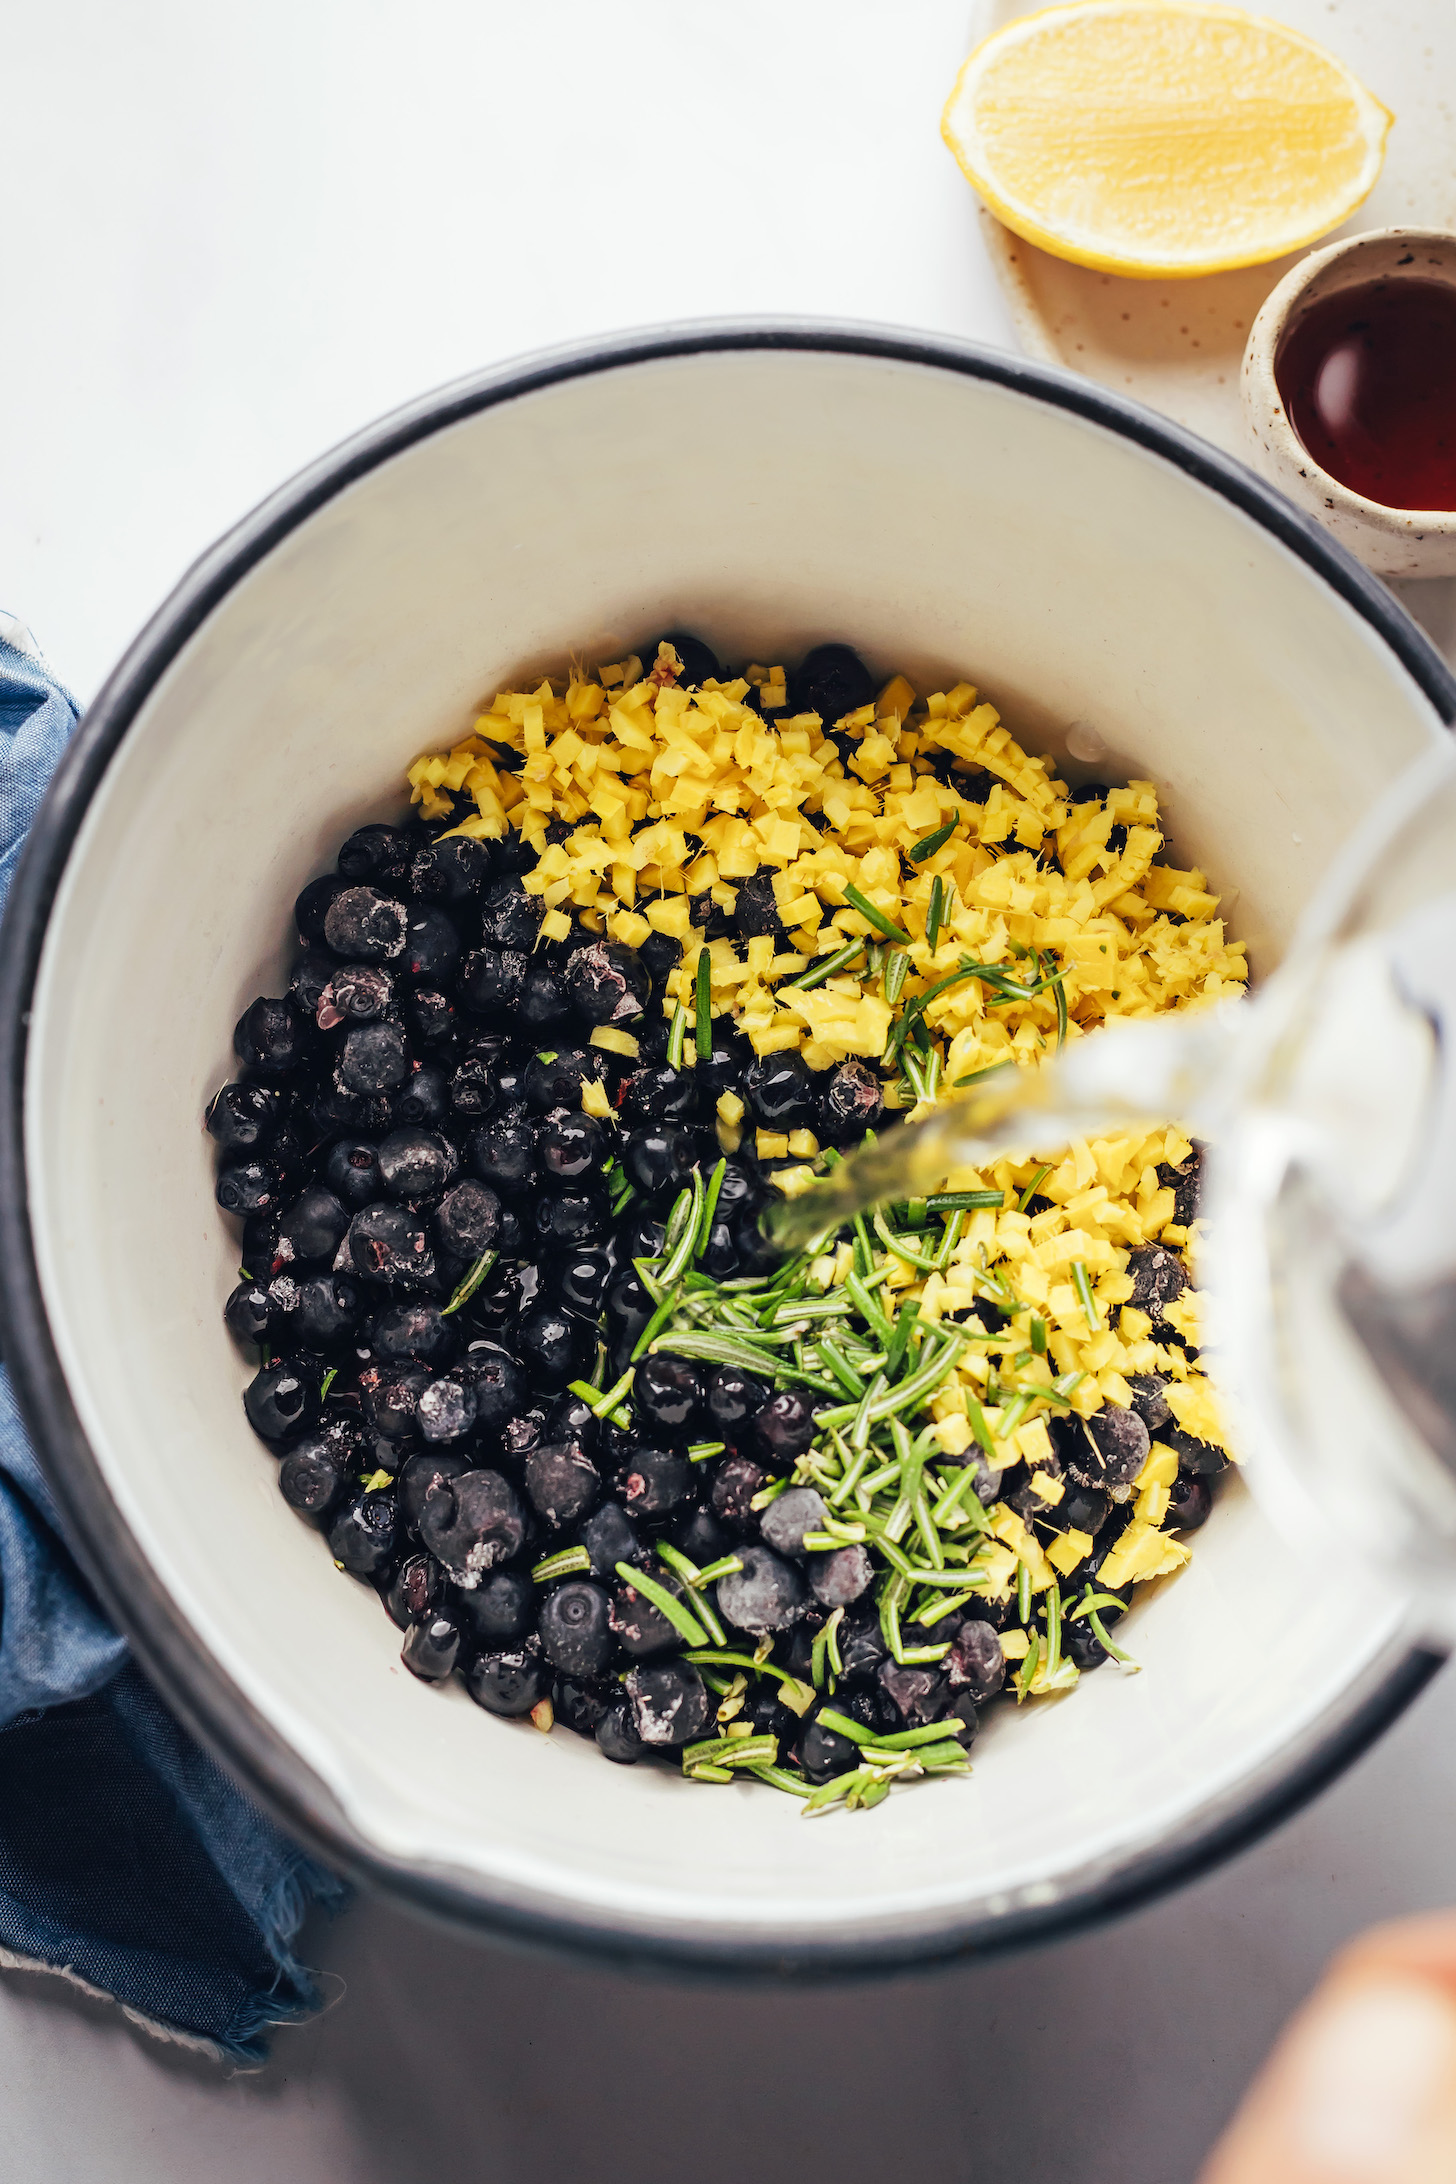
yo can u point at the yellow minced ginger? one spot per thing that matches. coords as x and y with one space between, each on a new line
669 793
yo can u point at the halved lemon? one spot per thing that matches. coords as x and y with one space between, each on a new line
1157 138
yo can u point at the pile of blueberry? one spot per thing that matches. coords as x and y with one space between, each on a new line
435 1239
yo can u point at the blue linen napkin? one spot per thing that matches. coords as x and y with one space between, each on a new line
129 1861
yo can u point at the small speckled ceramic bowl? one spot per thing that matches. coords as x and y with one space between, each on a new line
1392 541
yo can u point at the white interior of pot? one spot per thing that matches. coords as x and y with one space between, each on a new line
769 500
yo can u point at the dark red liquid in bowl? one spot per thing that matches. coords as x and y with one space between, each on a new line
1368 379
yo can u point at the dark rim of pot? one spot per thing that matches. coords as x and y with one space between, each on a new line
206 1699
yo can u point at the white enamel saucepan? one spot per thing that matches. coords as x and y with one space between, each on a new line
952 512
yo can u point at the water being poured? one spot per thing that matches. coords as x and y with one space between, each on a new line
1328 1102
1133 1074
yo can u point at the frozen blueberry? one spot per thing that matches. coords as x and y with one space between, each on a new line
1158 1277
722 1070
851 1100
659 1158
617 1737
565 1219
492 980
756 911
831 681
282 1399
1122 1441
570 1419
467 1220
309 982
918 1694
417 1475
1150 1399
245 1315
975 1662
498 1382
766 1594
670 1704
840 1577
431 1646
248 1186
502 1152
544 1004
432 946
373 1060
472 1523
271 1037
429 1015
607 982
578 1279
784 1427
824 1753
609 1538
375 850
314 1225
391 1398
736 1479
500 1609
357 993
571 1146
243 1117
555 1078
1197 1459
653 1482
783 1524
416 1163
312 1477
561 1482
575 1627
509 917
510 1682
450 871
1186 1183
667 1397
657 1095
1190 1501
1081 1509
416 1587
412 1329
734 1400
363 1534
861 1641
351 1171
363 925
446 1410
425 1095
312 907
779 1089
579 1706
387 1244
555 1346
327 1309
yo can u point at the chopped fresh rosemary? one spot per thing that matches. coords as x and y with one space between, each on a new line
703 1006
935 841
875 917
471 1282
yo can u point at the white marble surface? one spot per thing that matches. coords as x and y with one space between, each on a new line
231 236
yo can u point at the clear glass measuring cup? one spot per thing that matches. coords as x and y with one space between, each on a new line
1328 1102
